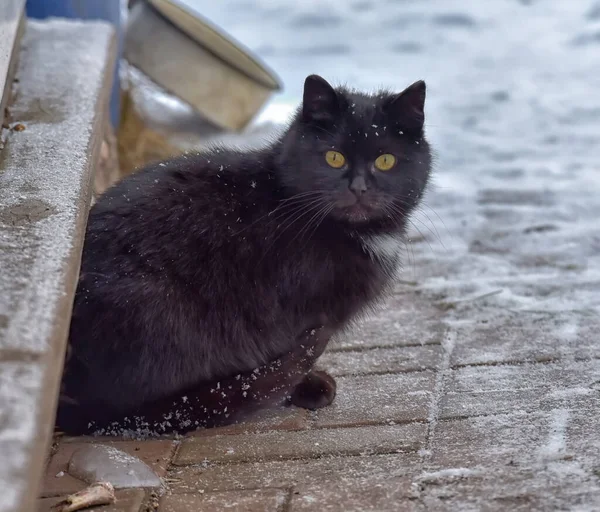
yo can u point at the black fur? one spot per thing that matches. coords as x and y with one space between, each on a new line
212 265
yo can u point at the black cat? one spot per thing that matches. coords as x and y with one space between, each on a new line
211 283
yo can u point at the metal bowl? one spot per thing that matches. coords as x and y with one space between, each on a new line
187 56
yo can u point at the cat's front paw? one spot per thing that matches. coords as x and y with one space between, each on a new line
315 391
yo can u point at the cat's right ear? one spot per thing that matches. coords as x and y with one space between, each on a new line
407 108
320 103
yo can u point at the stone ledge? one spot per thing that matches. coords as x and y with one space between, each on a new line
58 482
65 74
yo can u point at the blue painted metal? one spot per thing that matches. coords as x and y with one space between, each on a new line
108 10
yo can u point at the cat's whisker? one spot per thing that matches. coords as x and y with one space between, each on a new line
290 223
433 229
407 242
437 233
424 204
253 223
300 234
305 197
296 204
297 215
301 195
402 213
410 254
422 236
320 220
279 209
282 212
324 212
315 221
434 233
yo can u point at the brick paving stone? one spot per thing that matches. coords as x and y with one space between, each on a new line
542 461
388 329
278 418
381 360
266 500
498 337
565 437
266 446
488 440
526 387
209 477
511 489
364 494
155 453
405 319
129 500
372 399
582 433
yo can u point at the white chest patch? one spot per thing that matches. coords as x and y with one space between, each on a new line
385 250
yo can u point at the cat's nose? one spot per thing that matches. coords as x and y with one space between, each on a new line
358 185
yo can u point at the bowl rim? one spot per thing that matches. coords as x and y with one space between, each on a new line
205 33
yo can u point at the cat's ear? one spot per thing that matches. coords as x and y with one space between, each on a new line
408 107
320 103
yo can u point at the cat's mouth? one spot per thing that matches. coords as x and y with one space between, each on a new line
356 208
358 212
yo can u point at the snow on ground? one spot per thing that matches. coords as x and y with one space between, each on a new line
507 243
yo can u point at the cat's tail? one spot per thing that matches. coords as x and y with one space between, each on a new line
207 404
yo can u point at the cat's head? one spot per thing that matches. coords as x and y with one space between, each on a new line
363 158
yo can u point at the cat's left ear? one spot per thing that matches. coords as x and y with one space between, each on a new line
408 107
320 103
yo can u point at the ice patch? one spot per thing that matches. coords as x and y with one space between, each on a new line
556 442
447 474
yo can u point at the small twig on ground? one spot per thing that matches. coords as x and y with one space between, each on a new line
447 305
100 493
484 296
408 283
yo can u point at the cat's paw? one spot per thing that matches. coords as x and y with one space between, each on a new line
315 391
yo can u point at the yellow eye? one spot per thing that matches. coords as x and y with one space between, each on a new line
385 162
335 159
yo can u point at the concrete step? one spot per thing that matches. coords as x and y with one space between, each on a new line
57 116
